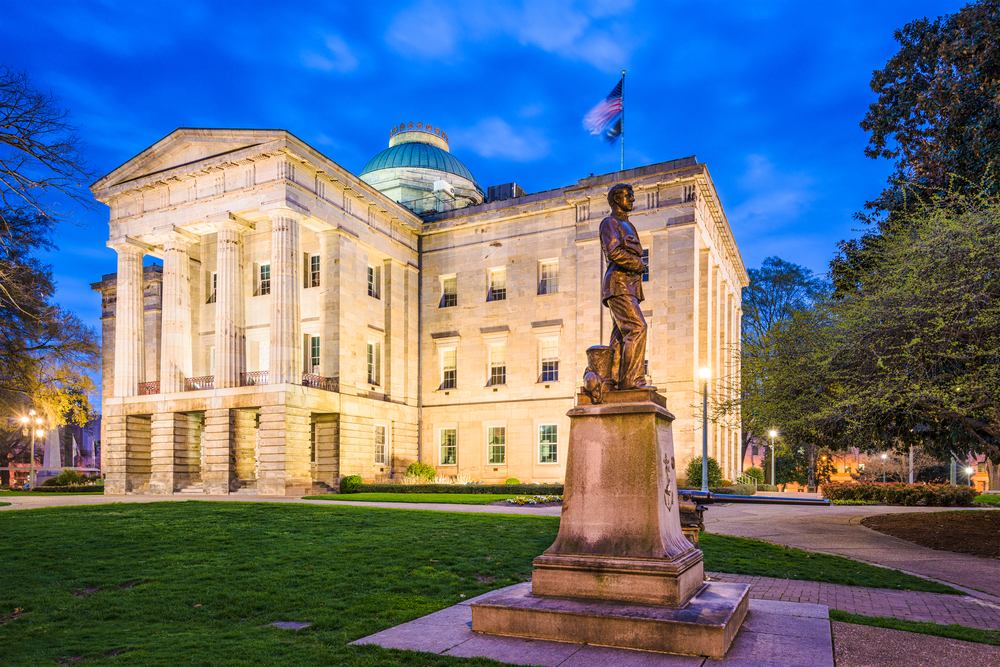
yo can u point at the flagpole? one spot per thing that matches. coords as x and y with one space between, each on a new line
623 120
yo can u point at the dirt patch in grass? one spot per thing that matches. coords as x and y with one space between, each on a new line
968 532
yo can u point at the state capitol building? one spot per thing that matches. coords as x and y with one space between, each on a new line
308 323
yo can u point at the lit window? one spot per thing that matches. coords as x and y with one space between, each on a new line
374 282
497 438
449 369
498 285
214 282
381 445
981 466
550 360
548 278
314 271
861 466
264 279
645 262
449 446
498 364
847 469
449 292
548 443
374 355
314 353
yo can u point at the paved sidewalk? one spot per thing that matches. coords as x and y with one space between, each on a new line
906 605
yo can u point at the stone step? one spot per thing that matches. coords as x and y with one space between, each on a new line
193 489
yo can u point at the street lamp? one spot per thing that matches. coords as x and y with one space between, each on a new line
968 471
884 457
772 433
704 373
36 431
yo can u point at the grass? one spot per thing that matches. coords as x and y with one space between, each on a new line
35 494
200 582
4 504
988 499
737 555
450 498
952 631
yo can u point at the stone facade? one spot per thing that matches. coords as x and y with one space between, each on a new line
305 326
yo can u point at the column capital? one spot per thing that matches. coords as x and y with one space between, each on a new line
285 208
177 239
127 243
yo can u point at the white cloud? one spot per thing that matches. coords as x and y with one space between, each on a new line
776 199
577 31
495 138
337 58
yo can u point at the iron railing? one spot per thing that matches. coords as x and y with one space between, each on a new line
320 382
196 384
149 388
253 378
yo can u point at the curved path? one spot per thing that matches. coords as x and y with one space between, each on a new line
838 530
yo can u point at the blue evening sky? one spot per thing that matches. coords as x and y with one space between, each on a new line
768 94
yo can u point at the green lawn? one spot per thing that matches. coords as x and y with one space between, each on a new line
4 504
448 498
15 494
952 631
984 499
199 582
737 555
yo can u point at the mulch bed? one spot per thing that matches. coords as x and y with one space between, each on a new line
965 532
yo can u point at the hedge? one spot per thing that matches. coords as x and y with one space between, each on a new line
505 489
896 493
89 488
735 490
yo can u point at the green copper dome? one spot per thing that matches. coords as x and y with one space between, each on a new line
421 155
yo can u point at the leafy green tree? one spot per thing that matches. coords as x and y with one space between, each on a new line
919 359
937 117
693 473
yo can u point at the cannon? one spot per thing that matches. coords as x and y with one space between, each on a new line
693 506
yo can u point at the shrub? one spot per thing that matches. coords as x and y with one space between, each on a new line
894 493
512 480
755 473
734 490
87 488
768 488
69 478
693 472
421 470
350 483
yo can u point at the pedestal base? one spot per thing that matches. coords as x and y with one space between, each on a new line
705 626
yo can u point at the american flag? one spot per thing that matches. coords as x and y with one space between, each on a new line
605 119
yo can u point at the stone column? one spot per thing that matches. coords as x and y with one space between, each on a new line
218 472
230 327
284 451
129 328
175 358
286 337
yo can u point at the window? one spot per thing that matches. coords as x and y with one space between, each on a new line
981 466
213 286
374 282
313 353
374 355
313 271
548 443
548 277
498 364
449 446
754 450
689 193
498 285
381 445
449 292
861 466
847 469
496 436
645 262
550 360
264 279
449 369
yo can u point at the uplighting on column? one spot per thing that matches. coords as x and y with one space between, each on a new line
704 373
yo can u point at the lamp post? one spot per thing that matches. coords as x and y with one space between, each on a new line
704 373
968 471
36 431
884 457
772 433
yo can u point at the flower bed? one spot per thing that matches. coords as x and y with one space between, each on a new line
894 493
506 489
533 500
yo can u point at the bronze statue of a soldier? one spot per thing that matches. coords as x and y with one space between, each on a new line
621 290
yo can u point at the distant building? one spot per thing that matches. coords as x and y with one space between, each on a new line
308 323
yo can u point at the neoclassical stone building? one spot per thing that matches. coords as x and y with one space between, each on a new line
307 323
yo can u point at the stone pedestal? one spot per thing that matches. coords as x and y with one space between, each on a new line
621 573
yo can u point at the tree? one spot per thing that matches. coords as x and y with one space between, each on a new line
919 360
778 292
937 115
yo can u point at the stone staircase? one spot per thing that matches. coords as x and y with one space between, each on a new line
195 488
319 488
246 488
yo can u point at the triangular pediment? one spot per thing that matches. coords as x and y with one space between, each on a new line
186 149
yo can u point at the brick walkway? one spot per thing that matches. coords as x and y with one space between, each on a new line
906 605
